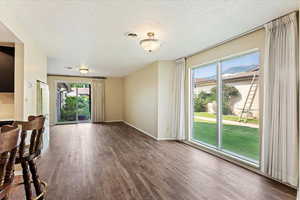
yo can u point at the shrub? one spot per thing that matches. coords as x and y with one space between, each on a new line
201 101
229 92
73 104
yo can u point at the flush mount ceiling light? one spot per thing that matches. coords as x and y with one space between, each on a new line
150 44
83 69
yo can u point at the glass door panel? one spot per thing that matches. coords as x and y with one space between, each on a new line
240 111
66 103
204 91
84 102
73 102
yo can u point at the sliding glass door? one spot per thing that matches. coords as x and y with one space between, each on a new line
73 102
225 106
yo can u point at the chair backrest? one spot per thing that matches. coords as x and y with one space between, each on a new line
36 125
9 136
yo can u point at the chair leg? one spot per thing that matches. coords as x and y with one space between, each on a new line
26 178
5 198
35 178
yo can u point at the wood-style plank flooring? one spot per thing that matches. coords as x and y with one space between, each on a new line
116 162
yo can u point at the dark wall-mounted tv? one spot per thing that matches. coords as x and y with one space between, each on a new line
7 69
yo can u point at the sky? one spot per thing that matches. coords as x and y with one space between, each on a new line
211 69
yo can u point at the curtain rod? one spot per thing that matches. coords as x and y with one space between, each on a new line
239 35
93 77
41 81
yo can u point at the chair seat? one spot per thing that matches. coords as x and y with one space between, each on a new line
27 156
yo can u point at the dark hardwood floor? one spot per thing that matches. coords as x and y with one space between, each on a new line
114 161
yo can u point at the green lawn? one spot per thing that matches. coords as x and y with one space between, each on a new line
225 117
238 139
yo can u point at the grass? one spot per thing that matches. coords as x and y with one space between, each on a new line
225 117
237 139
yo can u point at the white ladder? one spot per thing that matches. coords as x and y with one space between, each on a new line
249 100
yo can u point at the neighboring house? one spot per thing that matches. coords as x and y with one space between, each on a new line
83 91
241 81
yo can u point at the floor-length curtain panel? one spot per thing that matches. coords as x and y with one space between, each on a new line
280 116
97 101
177 111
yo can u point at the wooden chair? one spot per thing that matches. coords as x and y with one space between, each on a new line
8 149
29 153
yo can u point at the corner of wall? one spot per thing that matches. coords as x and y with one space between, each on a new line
114 99
140 98
146 99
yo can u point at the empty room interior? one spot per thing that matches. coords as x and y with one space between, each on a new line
149 100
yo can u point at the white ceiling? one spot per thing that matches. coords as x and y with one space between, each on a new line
91 32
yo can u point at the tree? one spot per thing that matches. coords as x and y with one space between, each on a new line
68 111
83 107
75 104
229 92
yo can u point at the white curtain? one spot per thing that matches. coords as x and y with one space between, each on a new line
280 116
97 101
177 111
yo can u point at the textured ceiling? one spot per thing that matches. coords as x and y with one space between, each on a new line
91 32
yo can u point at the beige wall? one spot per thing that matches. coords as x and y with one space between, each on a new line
141 97
248 42
113 96
35 68
114 99
147 96
6 106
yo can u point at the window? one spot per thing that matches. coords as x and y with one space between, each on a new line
225 106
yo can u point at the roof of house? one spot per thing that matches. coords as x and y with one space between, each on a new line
64 86
229 78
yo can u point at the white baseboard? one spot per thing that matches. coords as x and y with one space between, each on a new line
166 139
142 131
120 120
